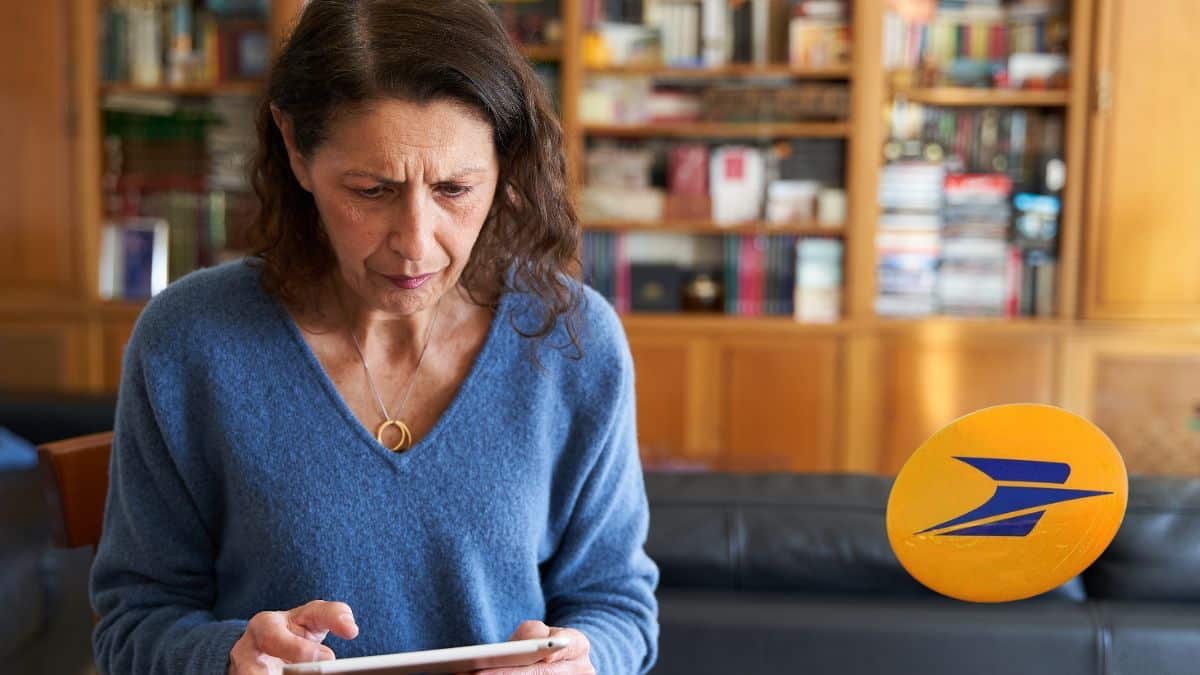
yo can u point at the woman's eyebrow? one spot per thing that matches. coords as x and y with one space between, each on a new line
460 173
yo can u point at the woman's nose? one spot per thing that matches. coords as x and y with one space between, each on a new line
412 227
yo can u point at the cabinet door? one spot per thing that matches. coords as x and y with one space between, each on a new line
1143 243
928 381
39 255
675 381
49 355
1143 390
780 403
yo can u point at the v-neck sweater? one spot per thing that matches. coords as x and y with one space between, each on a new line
240 481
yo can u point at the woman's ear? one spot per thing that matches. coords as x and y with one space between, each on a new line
295 159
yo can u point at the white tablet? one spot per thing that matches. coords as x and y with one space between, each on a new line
453 660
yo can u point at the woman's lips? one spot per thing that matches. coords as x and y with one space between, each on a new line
407 282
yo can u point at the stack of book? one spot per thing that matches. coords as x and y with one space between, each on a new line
979 43
909 238
784 183
755 275
760 275
979 270
176 193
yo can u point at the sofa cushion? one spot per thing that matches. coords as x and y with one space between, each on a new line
707 631
1156 553
812 533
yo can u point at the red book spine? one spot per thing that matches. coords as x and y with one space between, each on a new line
745 275
1012 300
624 298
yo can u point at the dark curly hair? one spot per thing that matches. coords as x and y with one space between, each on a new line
343 54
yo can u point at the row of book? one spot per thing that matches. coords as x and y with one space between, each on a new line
176 42
646 100
531 22
1027 144
979 42
175 232
755 275
947 245
783 183
714 33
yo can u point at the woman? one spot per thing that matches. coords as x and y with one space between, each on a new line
403 425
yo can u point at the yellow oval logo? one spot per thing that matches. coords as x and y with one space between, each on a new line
1007 503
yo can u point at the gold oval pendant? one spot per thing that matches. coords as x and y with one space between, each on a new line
405 435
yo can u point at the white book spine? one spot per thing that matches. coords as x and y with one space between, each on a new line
714 40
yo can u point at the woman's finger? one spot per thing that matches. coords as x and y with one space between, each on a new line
273 638
530 630
578 649
320 617
559 668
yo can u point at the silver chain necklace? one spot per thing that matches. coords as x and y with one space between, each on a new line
405 434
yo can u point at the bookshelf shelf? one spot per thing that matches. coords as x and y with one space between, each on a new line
805 229
545 53
965 96
233 88
721 130
717 323
747 70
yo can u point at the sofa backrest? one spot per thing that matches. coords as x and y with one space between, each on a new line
1156 553
809 533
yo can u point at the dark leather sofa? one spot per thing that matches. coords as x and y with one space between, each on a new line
794 574
773 573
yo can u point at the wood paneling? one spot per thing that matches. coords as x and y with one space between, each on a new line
1144 246
39 248
44 356
928 380
780 404
1142 387
116 336
661 369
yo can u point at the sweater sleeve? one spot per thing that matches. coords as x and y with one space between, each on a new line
153 581
600 580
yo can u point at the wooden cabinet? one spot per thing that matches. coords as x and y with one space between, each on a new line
40 251
1143 389
713 396
930 375
1143 212
55 355
674 389
779 403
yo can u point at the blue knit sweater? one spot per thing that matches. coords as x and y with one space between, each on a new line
241 482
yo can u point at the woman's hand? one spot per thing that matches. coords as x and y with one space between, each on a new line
573 660
275 638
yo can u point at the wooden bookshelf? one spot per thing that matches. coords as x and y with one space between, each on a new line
852 395
234 88
765 130
731 71
721 323
965 96
706 227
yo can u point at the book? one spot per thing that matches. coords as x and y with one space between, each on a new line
737 184
818 280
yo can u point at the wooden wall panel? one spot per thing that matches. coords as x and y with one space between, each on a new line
780 404
929 381
1144 246
116 334
44 356
39 247
1142 387
661 369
